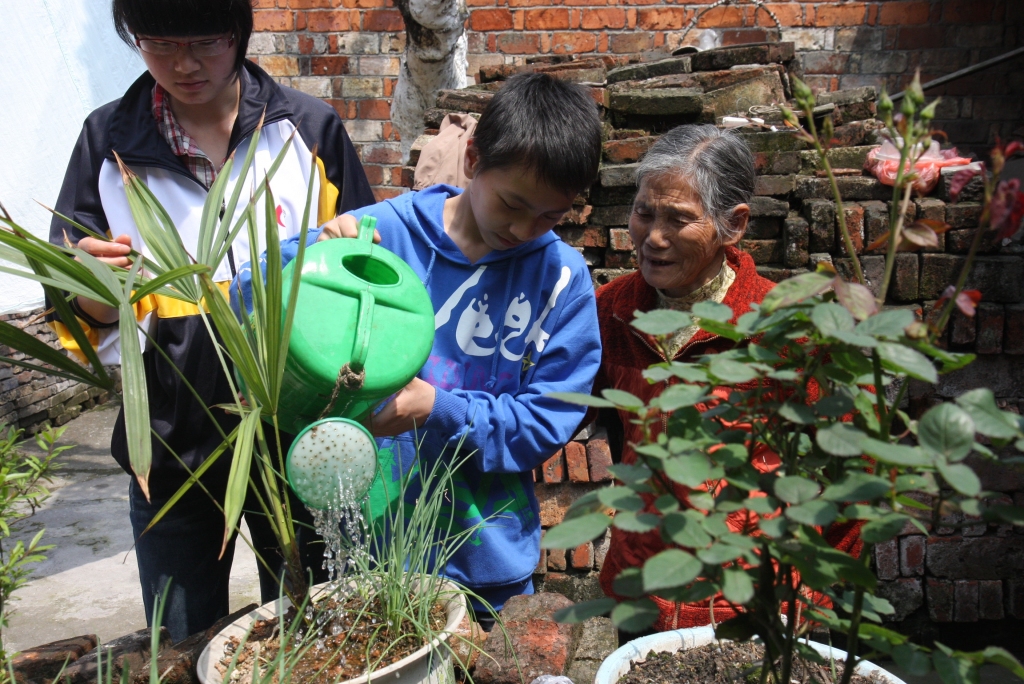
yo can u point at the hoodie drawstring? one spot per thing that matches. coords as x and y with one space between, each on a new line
492 381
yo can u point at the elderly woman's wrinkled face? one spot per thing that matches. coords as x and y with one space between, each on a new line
677 247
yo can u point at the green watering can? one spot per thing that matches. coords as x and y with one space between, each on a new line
363 328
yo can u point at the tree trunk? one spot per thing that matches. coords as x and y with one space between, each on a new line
435 59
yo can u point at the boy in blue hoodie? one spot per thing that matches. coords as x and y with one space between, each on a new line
515 319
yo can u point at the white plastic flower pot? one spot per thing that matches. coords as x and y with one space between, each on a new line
429 665
619 662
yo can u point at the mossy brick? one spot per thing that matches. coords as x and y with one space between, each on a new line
464 100
1013 338
905 278
753 53
850 188
991 322
773 141
873 268
628 150
618 175
777 163
796 237
965 600
999 278
932 209
603 276
938 271
821 217
939 594
603 196
615 215
876 224
765 87
959 242
856 111
763 228
849 96
774 186
657 102
583 236
763 251
972 192
963 214
619 240
645 70
857 133
767 206
990 600
616 259
838 158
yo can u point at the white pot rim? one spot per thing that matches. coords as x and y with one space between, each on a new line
206 665
618 663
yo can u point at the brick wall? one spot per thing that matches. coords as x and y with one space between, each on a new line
347 51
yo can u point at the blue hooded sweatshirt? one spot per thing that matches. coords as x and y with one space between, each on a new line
510 329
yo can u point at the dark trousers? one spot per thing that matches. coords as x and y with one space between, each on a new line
183 549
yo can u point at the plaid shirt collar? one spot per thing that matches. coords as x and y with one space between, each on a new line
181 143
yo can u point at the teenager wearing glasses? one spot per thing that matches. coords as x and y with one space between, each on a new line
198 103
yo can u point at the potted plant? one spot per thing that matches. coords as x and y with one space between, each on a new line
819 374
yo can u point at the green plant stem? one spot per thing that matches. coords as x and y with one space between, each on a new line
883 411
894 240
853 637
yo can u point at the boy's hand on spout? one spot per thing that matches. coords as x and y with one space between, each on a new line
409 409
344 226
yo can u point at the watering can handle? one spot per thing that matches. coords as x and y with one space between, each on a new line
367 224
364 323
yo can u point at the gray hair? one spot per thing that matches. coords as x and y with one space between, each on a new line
717 163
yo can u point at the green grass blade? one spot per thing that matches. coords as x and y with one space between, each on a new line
257 331
20 340
272 327
133 383
158 284
211 213
238 478
63 311
229 210
53 262
246 364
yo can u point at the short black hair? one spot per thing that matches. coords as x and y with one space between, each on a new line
548 126
184 18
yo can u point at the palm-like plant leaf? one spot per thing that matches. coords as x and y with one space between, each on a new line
238 478
133 383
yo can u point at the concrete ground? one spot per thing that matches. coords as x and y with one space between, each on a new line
89 583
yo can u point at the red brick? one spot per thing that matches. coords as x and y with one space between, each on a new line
721 17
323 22
599 456
887 560
554 468
383 20
850 14
573 42
637 41
308 4
330 65
556 559
990 599
518 43
610 18
546 19
381 194
963 329
744 36
854 214
374 174
273 20
789 14
991 321
965 607
490 20
619 240
381 154
576 462
966 11
542 564
903 13
912 552
374 109
408 177
661 19
1013 341
940 600
582 557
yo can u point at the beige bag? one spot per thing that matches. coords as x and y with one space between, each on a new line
441 160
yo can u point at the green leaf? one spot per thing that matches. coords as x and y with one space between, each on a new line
817 512
795 412
715 524
883 529
684 528
989 420
629 582
895 454
739 628
841 439
572 533
581 612
747 478
719 553
712 311
833 406
134 391
830 318
620 498
912 660
760 504
661 321
795 489
1000 656
581 399
690 470
630 474
635 616
623 399
795 290
890 323
959 476
670 568
730 455
900 359
731 372
737 585
954 670
680 396
948 430
238 476
857 486
628 521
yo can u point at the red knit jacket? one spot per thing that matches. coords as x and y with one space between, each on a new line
627 352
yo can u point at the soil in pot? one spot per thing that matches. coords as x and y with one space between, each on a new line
730 663
345 636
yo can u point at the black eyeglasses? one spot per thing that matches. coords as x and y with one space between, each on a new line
199 48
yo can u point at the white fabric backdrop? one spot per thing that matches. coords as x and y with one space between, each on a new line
59 60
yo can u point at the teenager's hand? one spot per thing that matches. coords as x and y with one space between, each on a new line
114 253
344 226
409 409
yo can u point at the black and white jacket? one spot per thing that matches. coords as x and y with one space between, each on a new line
93 195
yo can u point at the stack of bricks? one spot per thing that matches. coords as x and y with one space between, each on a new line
962 572
32 400
347 51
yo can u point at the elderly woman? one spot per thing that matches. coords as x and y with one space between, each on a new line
690 211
